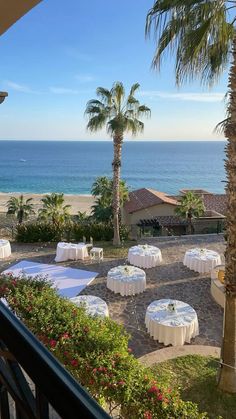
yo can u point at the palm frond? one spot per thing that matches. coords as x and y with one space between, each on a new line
105 95
197 31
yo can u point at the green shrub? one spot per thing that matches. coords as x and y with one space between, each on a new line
37 232
44 232
94 350
99 231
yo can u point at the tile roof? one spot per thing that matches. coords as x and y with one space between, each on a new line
217 202
145 198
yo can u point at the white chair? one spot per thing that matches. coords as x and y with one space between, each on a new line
96 253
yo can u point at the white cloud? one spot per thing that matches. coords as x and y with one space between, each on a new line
22 88
190 97
84 78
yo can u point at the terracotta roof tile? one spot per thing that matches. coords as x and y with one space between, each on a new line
217 202
145 198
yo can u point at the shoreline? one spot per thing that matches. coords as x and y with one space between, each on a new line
80 202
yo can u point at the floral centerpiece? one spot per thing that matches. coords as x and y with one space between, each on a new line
171 307
128 270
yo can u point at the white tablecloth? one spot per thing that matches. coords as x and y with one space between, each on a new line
5 249
201 260
126 280
171 328
71 251
144 256
94 306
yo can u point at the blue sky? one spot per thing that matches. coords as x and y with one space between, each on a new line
57 54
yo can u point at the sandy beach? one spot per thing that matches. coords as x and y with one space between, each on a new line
81 203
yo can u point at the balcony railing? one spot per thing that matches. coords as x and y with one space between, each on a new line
22 355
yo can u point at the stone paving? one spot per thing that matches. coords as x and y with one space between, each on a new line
169 280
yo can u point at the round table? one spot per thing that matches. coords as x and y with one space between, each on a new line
144 256
94 306
171 328
201 260
126 280
5 249
71 251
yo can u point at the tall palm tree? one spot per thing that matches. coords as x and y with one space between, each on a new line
54 209
201 34
190 206
119 114
20 207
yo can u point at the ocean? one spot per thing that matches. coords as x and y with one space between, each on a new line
72 166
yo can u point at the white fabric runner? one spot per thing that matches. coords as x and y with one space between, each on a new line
144 256
171 328
71 251
69 281
201 260
94 306
126 280
5 249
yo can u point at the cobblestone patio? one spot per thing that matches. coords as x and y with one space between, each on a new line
169 280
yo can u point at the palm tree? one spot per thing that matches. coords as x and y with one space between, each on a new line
202 35
119 114
54 209
20 207
190 206
102 189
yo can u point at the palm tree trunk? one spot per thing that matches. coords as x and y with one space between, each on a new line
116 164
227 373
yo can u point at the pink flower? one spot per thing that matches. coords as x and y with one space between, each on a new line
121 383
52 343
147 415
74 362
130 350
65 336
152 389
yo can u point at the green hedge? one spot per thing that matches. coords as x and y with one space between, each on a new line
95 351
37 232
46 232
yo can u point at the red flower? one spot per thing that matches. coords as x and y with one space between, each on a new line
160 397
147 415
121 383
74 362
153 389
52 343
65 336
91 382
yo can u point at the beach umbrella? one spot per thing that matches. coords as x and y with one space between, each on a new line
12 10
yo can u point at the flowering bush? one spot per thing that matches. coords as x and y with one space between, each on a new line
95 351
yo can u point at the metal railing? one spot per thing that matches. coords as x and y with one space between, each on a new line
20 354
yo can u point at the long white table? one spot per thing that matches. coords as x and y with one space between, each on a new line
144 256
71 251
95 306
126 280
201 260
171 328
5 249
